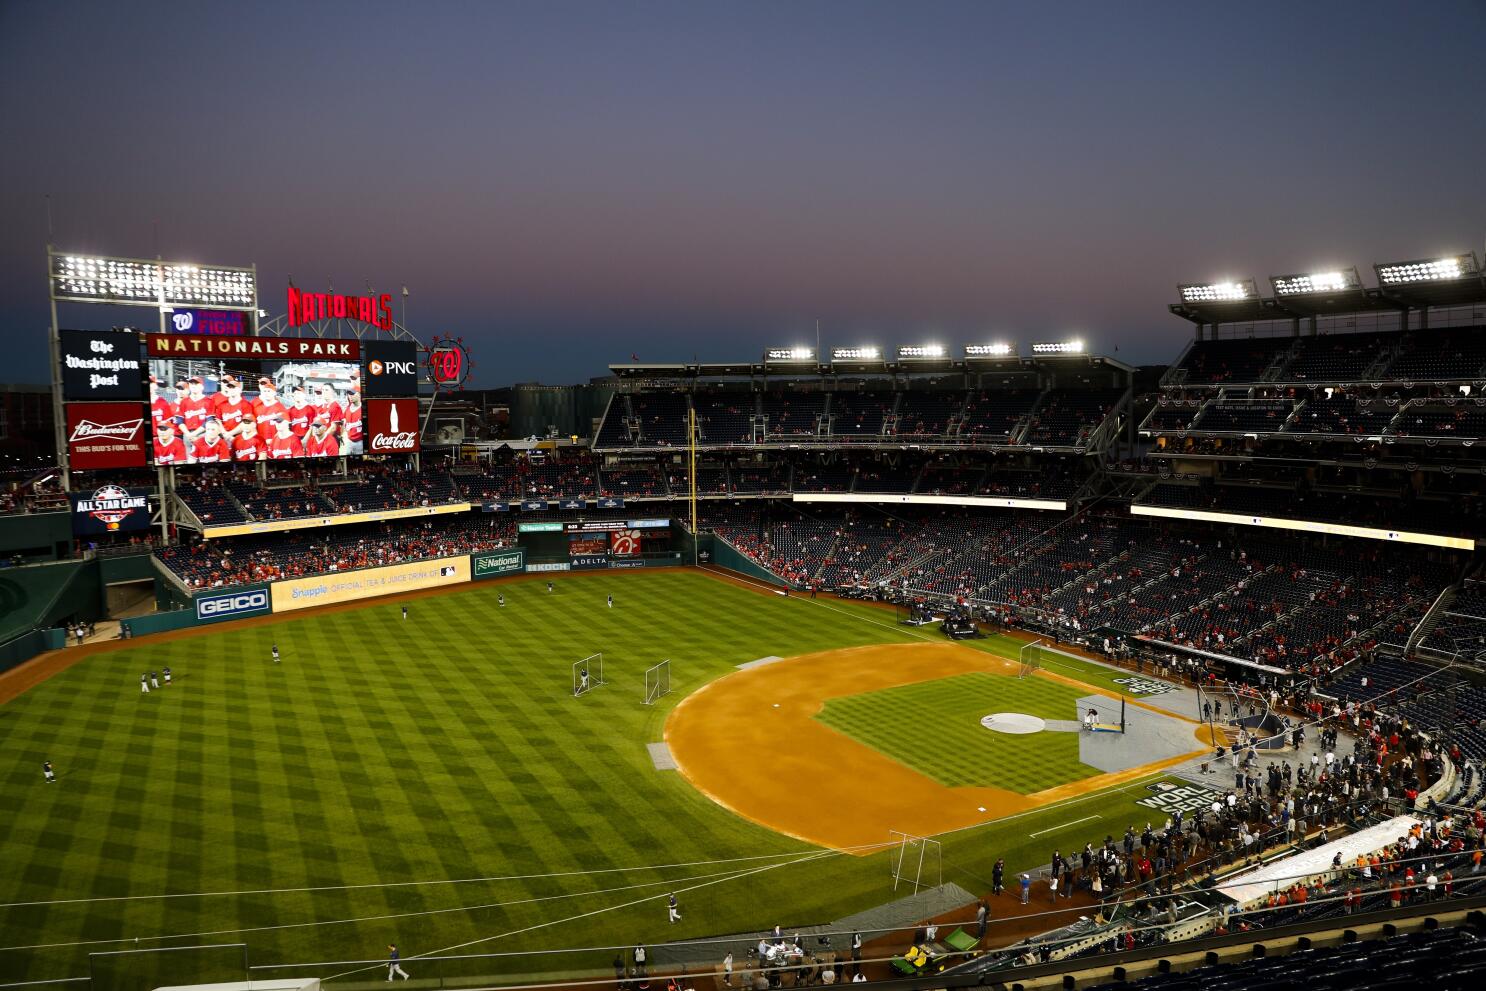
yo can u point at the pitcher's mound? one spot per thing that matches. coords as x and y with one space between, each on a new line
1013 722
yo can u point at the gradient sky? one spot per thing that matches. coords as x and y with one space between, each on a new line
565 183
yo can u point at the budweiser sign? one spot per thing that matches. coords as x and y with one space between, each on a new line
125 430
105 435
391 426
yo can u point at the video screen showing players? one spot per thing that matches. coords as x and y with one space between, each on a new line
210 412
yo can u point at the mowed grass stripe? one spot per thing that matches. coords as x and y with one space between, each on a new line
384 750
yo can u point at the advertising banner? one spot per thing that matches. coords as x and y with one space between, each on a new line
549 566
253 348
105 435
496 563
347 586
534 505
590 562
625 543
570 504
109 509
611 502
587 546
214 323
239 602
391 368
391 426
538 527
340 519
102 364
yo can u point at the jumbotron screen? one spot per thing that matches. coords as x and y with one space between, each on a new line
209 412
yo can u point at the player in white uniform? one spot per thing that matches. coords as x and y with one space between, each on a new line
144 684
582 681
276 653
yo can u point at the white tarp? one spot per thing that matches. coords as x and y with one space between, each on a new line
1282 873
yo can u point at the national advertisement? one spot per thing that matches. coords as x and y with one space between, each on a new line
589 562
347 586
105 435
391 368
496 563
102 364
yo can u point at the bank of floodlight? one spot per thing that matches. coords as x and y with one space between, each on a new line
96 279
989 350
781 355
1058 347
1428 270
1311 283
865 353
920 352
1230 291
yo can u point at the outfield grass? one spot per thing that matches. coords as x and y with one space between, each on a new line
960 752
444 747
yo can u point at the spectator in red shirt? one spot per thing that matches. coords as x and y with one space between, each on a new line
321 442
284 444
169 450
211 447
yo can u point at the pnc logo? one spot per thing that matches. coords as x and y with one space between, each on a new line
379 367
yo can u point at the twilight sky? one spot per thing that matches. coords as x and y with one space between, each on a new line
565 183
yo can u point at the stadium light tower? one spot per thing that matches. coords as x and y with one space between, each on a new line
1329 281
1428 270
797 355
1222 291
1074 346
998 350
921 352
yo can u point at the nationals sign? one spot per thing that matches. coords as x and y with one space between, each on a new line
391 426
260 348
105 435
307 306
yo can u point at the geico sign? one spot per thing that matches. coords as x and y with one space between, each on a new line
229 605
407 440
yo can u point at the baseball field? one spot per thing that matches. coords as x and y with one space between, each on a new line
432 781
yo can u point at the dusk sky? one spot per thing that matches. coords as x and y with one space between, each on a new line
566 183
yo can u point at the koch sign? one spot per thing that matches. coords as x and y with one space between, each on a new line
100 364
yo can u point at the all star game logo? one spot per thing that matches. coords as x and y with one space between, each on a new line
112 506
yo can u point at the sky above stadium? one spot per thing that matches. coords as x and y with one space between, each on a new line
567 184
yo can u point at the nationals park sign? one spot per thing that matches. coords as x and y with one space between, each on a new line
253 348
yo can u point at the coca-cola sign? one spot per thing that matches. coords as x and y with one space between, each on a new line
105 435
391 426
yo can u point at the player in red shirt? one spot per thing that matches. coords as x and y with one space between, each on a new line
211 447
235 412
168 447
327 406
161 409
246 446
284 444
300 412
353 418
194 408
321 442
267 408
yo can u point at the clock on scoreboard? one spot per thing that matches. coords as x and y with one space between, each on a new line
448 362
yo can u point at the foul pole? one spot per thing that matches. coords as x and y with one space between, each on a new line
691 420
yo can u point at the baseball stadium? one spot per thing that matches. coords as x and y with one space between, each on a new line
923 668
332 655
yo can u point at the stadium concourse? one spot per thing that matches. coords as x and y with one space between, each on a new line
1272 542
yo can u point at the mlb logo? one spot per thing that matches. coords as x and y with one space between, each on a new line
448 570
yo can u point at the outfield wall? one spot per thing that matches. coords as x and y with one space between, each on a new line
348 586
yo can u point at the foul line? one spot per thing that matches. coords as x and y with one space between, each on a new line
1054 829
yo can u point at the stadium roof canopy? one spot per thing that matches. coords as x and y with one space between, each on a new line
1008 364
1452 281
